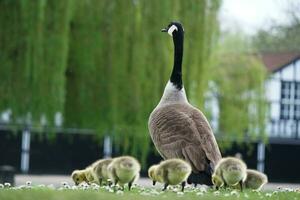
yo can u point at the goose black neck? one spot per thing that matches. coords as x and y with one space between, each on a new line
176 76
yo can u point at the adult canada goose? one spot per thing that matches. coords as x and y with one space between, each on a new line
178 129
229 171
170 172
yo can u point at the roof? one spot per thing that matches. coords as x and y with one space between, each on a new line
276 61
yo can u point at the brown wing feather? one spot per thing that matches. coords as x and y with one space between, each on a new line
207 137
181 131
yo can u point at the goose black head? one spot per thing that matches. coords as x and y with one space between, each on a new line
174 29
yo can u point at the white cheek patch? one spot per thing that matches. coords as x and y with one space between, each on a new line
172 29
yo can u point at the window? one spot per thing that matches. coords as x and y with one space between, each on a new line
297 91
297 101
285 111
286 87
286 93
297 112
290 100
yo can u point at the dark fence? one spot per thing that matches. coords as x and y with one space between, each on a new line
59 155
66 152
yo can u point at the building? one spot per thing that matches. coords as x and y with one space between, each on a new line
283 94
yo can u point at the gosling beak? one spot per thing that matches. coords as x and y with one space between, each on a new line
164 30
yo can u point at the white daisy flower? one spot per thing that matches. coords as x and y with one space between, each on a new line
64 183
199 193
226 194
119 192
234 192
268 194
74 187
7 185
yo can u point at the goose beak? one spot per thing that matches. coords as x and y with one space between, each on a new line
164 30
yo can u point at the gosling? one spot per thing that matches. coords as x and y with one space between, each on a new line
79 176
90 175
229 171
151 172
255 180
100 170
170 172
124 170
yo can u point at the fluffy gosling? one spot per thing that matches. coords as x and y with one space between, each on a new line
229 171
123 170
100 170
90 175
255 180
79 176
170 172
151 172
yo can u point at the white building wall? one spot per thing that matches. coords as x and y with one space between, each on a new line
287 73
275 126
297 70
273 86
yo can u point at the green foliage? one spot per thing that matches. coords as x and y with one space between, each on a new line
34 46
146 194
103 64
281 37
239 79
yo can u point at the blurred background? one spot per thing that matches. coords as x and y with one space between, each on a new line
79 78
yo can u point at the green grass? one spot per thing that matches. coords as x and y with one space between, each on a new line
138 194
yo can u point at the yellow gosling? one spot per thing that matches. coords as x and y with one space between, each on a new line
229 171
172 172
124 170
255 180
79 176
151 172
100 170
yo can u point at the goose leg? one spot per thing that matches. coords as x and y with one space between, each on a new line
130 183
165 186
110 183
241 185
182 186
154 182
165 175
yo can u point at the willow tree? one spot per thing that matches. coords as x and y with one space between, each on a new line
119 63
238 77
103 64
34 46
